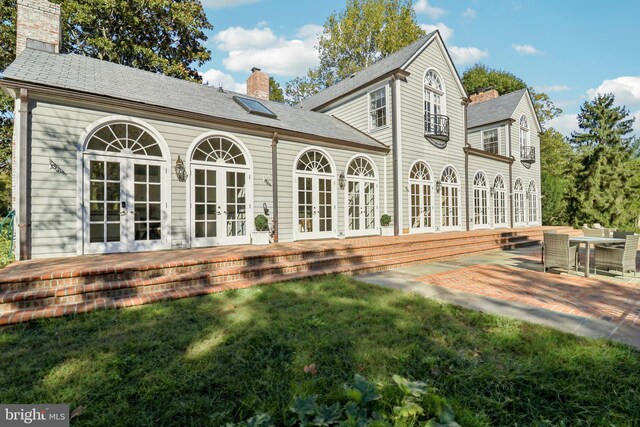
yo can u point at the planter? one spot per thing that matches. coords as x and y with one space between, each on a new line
260 237
386 231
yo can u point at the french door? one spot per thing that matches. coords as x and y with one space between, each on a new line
315 207
421 206
124 204
361 207
450 207
219 206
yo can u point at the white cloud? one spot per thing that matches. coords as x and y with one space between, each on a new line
565 123
552 88
527 49
423 6
467 55
213 77
219 4
238 38
469 13
445 31
276 55
626 89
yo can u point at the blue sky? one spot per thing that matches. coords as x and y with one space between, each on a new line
569 49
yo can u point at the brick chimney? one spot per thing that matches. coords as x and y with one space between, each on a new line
258 84
486 95
38 26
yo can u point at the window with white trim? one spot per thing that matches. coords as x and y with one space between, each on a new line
524 132
490 142
378 108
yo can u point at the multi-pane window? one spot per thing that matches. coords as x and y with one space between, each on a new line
524 132
378 108
490 141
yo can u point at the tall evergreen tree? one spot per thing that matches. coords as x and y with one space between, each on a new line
275 91
605 171
364 32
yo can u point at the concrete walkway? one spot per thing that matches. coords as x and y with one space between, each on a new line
511 283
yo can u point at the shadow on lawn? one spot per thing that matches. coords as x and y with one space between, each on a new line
205 361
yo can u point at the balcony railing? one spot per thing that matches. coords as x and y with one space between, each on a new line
528 154
436 126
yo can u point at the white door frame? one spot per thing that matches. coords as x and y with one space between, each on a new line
484 190
449 187
127 241
221 201
361 180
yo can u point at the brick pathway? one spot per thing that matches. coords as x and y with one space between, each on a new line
594 297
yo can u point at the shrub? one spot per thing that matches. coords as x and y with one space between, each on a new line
261 223
385 220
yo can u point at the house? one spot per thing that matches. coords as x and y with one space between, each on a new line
109 158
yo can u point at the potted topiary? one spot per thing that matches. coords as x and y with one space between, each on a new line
385 222
261 234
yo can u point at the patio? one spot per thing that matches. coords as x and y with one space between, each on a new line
511 283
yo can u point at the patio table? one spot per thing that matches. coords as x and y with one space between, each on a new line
588 241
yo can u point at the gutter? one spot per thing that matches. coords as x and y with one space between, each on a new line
467 147
397 184
274 184
511 208
24 196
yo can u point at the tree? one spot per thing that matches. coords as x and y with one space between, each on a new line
7 54
480 77
555 171
364 32
275 91
606 177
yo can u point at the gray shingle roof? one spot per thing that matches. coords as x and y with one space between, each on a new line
80 73
495 110
363 77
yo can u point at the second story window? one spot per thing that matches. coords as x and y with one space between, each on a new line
524 132
490 141
378 108
436 124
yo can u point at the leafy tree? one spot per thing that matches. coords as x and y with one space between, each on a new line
479 77
606 178
555 166
275 91
364 32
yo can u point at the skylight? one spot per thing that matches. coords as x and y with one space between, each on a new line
254 107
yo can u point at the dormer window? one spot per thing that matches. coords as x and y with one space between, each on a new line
378 109
490 141
436 124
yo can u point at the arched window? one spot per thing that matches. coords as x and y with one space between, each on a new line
518 199
421 197
361 197
480 200
524 132
122 137
434 102
314 182
314 161
450 198
361 167
499 202
532 196
219 150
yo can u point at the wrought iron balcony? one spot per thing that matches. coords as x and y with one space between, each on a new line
436 126
528 154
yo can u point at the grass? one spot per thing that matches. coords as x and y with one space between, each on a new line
205 361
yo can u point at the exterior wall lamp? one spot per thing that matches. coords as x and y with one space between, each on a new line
341 180
438 186
181 172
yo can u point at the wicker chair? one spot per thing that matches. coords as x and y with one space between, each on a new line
593 232
558 253
616 258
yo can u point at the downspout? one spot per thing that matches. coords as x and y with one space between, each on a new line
24 224
511 210
397 184
274 183
465 104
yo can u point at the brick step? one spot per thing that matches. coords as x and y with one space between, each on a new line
180 285
38 287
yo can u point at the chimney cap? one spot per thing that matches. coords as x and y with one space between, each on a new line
254 69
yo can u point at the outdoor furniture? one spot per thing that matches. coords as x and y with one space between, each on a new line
542 244
618 258
558 253
588 241
593 232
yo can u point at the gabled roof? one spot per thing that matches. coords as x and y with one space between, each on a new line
93 76
494 110
381 68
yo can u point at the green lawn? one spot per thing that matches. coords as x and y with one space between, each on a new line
205 361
